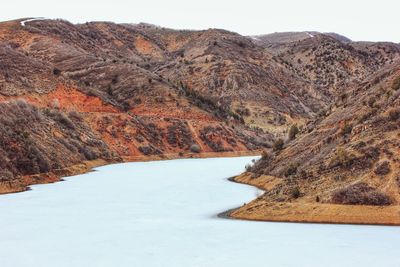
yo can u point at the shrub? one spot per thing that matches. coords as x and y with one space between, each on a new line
264 155
341 158
56 72
278 145
63 119
371 102
396 84
114 80
75 115
360 194
394 114
248 167
88 153
347 129
295 192
290 170
150 150
195 148
55 104
5 175
383 168
293 131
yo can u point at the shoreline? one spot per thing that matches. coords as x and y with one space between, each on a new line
312 213
23 183
256 210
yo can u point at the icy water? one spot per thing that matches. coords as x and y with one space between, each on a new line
164 214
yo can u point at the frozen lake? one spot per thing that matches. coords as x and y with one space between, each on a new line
164 214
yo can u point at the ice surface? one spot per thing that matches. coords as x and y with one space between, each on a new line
163 214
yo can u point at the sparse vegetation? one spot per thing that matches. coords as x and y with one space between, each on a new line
293 131
382 168
56 71
295 192
25 135
347 128
195 148
341 158
212 85
394 114
291 170
278 145
396 84
360 194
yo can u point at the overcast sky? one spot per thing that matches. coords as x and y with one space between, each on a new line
356 19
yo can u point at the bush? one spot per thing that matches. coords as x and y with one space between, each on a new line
371 102
383 168
360 194
5 175
290 170
264 155
151 150
295 192
63 119
396 84
56 72
293 131
347 129
394 114
195 148
341 158
278 145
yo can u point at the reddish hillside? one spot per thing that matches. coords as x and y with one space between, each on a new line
140 91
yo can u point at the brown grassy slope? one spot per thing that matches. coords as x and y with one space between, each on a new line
87 96
150 91
34 141
343 168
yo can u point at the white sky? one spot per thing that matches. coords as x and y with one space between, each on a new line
373 20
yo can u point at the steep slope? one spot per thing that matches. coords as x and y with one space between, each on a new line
279 38
148 92
37 141
342 168
235 73
98 72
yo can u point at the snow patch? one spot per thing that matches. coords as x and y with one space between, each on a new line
29 20
255 38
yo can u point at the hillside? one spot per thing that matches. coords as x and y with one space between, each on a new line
340 168
278 38
103 92
70 94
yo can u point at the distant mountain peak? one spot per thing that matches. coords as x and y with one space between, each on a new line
289 37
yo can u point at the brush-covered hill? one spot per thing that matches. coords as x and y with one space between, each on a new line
76 93
141 91
343 167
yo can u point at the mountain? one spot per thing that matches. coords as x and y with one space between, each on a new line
71 94
342 167
74 95
290 37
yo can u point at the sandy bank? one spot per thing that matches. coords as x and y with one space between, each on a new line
304 212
